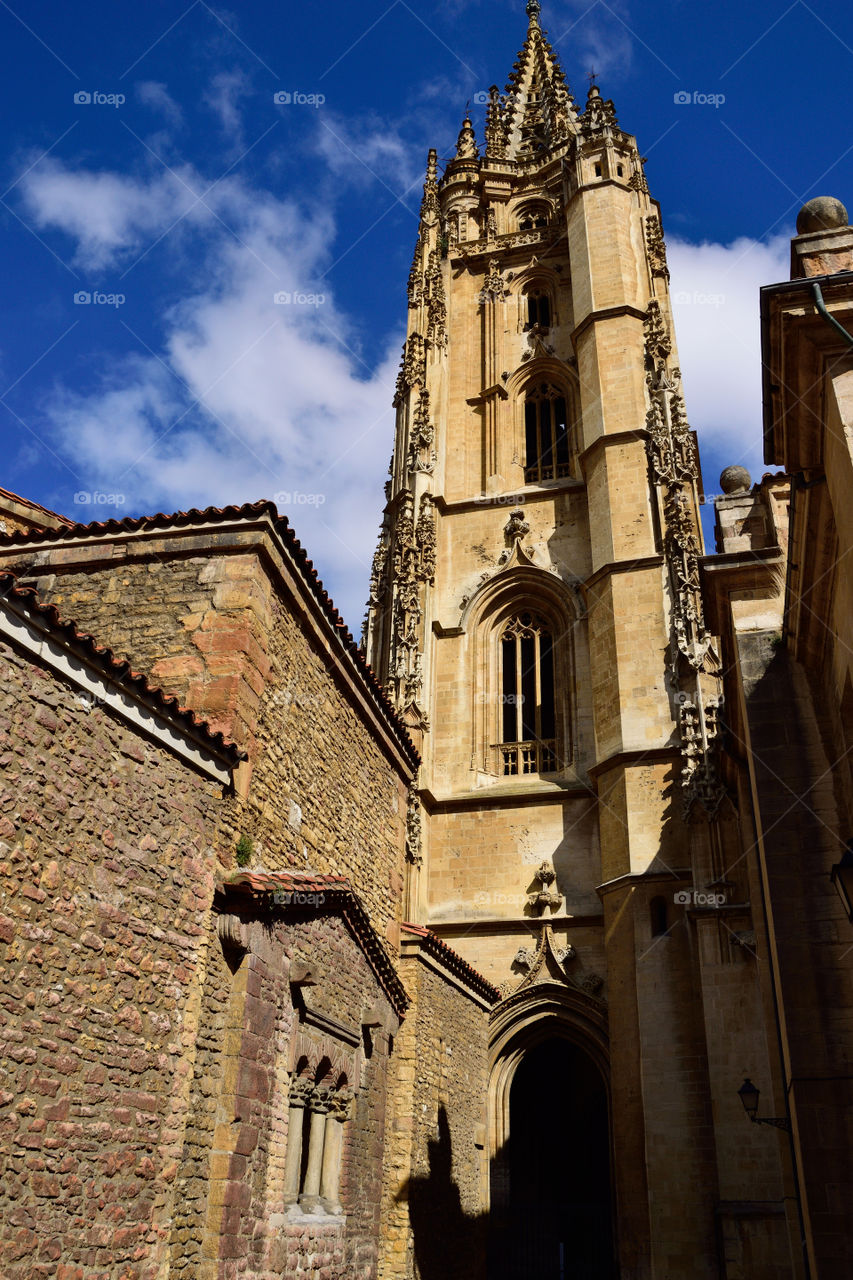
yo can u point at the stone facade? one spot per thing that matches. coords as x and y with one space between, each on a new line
107 875
611 770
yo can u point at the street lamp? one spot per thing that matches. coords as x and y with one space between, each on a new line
748 1095
842 878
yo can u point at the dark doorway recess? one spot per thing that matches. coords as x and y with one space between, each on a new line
555 1222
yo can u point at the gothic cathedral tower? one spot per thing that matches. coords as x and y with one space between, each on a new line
535 613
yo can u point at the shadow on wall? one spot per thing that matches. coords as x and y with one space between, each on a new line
449 1244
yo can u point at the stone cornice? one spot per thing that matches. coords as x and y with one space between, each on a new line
633 757
607 313
622 566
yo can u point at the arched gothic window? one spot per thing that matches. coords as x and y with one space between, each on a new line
533 217
528 721
538 309
546 432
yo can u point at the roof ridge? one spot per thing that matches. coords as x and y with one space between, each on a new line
116 669
288 536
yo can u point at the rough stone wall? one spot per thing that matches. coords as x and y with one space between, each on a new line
230 1219
212 630
433 1214
106 877
324 795
194 624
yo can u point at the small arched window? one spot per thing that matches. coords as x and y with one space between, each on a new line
659 913
538 309
527 710
546 431
533 216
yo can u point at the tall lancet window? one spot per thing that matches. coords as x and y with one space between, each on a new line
538 309
527 697
546 430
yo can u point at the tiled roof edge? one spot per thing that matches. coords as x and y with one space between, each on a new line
453 961
212 515
339 893
118 670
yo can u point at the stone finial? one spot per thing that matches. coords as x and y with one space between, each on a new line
466 146
735 480
823 213
534 9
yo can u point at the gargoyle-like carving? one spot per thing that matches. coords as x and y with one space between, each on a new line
545 897
516 526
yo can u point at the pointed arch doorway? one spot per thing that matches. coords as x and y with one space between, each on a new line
551 1215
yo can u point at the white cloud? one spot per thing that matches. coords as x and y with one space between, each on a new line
153 94
248 398
715 291
224 97
108 214
370 151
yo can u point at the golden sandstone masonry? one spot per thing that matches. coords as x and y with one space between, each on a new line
448 956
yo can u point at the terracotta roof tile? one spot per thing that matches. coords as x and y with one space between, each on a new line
117 669
214 515
35 506
454 962
339 896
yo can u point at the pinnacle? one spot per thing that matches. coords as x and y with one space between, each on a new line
537 112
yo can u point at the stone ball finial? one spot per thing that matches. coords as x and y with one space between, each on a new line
735 480
534 8
824 213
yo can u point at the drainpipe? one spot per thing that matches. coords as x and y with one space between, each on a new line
830 319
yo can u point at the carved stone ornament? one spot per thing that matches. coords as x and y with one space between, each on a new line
516 526
547 962
494 289
693 666
421 455
414 831
599 118
466 146
543 899
656 246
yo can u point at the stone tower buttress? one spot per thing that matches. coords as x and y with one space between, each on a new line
543 490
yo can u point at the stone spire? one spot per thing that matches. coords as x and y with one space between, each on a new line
537 112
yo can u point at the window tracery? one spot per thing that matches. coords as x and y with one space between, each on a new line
546 431
533 217
527 711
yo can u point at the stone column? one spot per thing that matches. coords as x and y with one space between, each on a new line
319 1104
300 1093
332 1151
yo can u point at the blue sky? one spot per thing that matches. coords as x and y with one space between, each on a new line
183 198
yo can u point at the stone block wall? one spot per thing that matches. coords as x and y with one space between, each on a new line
219 632
434 1203
106 878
